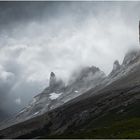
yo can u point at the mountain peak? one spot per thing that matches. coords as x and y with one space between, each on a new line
116 65
52 74
116 68
91 69
131 57
55 84
88 74
52 81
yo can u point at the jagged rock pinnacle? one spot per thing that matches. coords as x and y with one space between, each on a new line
116 65
52 79
116 68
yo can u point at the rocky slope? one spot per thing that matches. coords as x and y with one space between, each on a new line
57 93
91 97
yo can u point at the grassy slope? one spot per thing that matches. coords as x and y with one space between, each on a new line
113 125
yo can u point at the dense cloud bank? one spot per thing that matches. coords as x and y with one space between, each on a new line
39 37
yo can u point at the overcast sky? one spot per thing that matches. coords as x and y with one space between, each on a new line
39 37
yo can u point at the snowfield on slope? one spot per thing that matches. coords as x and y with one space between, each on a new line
54 96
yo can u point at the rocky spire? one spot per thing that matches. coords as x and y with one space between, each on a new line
116 65
52 79
116 68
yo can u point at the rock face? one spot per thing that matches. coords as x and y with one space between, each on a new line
89 73
52 81
44 101
130 63
57 93
131 57
116 65
55 84
116 68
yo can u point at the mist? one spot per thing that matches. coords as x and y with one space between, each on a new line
39 37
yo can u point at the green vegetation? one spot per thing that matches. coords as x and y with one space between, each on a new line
112 125
121 129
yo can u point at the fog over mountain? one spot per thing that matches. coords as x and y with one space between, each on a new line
37 38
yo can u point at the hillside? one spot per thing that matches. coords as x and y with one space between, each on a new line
108 110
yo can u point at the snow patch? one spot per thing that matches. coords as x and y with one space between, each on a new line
54 96
36 113
21 111
76 91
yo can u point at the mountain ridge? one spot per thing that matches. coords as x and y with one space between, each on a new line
125 85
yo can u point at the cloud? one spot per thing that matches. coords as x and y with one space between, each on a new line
41 37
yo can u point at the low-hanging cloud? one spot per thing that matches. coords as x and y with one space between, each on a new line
60 37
